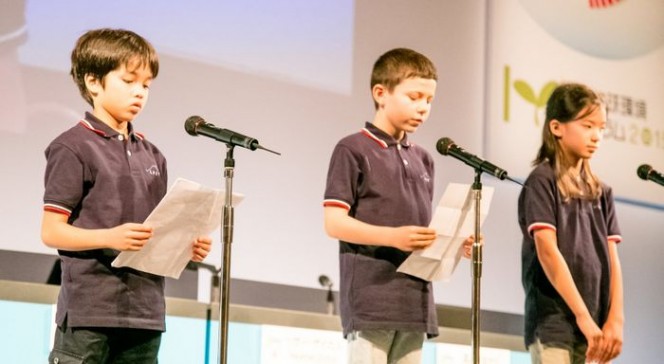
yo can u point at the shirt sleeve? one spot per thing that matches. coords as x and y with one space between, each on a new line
63 179
343 177
540 203
610 215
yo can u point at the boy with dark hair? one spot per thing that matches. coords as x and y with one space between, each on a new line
378 204
101 178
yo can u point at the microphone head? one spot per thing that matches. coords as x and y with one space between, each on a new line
324 281
192 123
443 145
643 171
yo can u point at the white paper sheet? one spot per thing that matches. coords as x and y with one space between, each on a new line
454 221
188 210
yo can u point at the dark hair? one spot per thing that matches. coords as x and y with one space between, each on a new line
399 64
569 102
100 51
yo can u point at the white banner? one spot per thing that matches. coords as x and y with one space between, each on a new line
615 47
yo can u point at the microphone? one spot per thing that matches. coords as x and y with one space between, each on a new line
325 281
446 146
196 125
646 172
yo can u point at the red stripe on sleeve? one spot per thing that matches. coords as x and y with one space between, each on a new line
336 203
57 210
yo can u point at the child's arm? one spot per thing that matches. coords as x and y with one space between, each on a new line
339 225
57 233
558 273
613 328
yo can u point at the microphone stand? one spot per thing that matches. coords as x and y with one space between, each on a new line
476 269
330 301
227 239
214 298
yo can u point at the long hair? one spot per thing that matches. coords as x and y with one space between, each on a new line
569 102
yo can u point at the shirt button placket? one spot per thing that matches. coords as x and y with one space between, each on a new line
126 145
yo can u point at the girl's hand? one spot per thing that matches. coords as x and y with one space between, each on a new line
613 336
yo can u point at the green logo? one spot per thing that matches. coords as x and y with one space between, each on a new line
526 92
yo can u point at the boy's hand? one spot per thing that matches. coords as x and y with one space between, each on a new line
201 248
129 236
409 238
468 245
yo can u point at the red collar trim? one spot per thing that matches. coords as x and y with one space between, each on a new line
373 137
86 124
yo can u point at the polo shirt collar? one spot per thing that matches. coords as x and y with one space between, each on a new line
92 123
382 138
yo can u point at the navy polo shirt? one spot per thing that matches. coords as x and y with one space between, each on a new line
100 179
583 228
381 182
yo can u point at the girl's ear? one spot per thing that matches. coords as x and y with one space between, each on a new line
378 92
555 127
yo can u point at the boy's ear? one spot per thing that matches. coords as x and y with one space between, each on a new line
378 92
555 127
93 84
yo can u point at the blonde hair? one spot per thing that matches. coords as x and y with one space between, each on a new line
569 102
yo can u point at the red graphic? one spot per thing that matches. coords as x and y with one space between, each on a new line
595 4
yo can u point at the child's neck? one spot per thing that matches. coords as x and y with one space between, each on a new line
121 127
383 124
